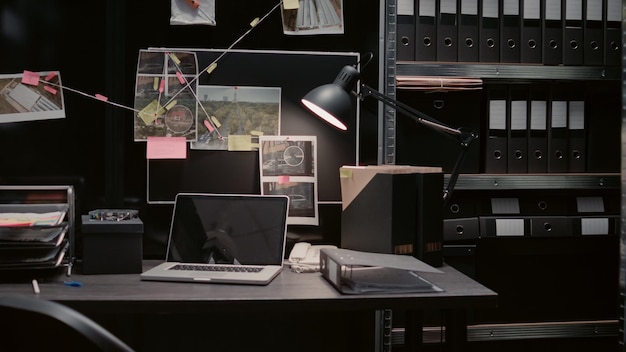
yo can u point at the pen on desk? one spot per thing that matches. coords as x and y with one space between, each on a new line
35 287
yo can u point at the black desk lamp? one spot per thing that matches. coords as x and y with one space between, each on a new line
332 103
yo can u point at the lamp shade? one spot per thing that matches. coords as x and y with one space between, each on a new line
332 102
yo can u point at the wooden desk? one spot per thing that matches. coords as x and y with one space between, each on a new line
290 299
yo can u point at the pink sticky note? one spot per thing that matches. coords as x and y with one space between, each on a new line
166 148
31 78
180 77
50 89
101 97
207 124
50 76
283 179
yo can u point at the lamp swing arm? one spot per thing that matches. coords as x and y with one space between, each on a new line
464 136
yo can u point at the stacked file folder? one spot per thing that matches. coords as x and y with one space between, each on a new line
548 32
532 215
535 129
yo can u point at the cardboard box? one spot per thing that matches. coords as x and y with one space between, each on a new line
393 209
112 247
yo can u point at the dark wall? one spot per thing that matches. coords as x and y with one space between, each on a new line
95 48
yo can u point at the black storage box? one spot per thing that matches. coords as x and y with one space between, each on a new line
111 247
393 209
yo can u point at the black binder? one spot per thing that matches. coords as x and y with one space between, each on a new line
573 32
511 31
517 115
553 226
496 150
405 30
553 26
577 146
558 134
426 27
458 229
613 33
531 46
468 31
593 32
489 31
447 31
538 129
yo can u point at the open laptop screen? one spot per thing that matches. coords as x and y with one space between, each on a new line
225 229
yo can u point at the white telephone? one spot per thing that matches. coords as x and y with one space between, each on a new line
305 257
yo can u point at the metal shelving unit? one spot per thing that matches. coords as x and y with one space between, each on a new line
504 73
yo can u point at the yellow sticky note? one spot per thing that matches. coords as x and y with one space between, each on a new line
254 22
211 68
171 104
343 173
175 58
216 122
239 142
155 84
290 4
151 112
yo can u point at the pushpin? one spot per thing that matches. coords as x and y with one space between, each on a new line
193 3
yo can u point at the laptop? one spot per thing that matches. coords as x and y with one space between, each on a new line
224 238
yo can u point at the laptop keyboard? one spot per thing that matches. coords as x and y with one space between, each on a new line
209 267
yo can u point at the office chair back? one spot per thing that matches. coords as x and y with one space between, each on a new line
29 322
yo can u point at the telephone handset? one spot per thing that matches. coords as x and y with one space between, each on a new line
306 257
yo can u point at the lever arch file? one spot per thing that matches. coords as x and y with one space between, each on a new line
577 156
468 31
447 31
531 45
613 33
496 150
405 38
537 130
517 160
557 141
511 31
573 33
426 27
489 31
552 33
593 31
357 272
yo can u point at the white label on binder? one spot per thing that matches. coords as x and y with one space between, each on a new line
518 115
594 226
510 7
538 115
594 10
576 115
553 10
573 9
427 8
469 7
509 227
448 6
406 8
490 9
532 9
559 114
497 114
